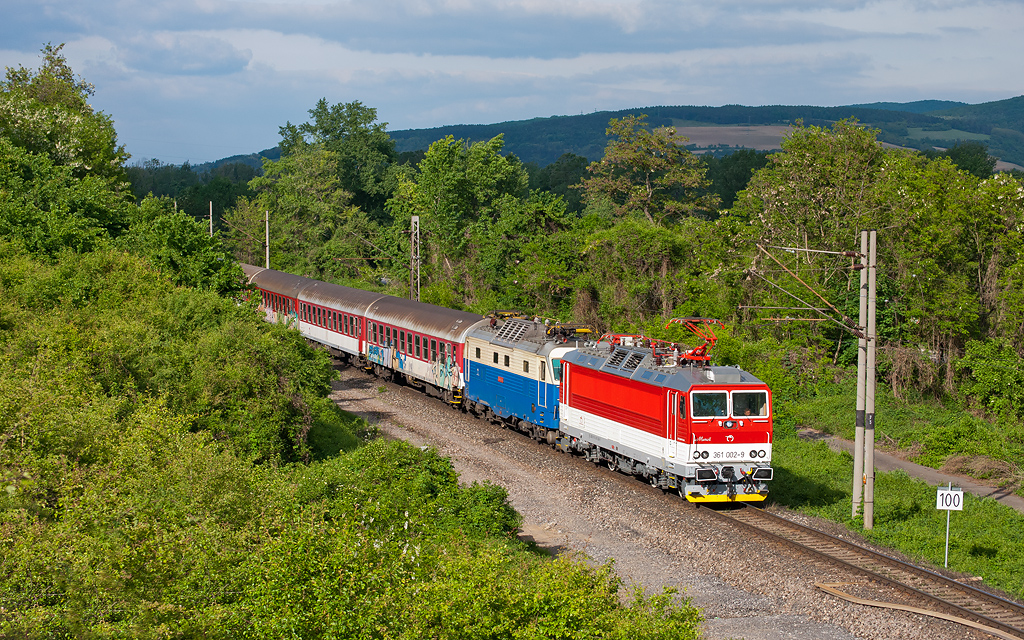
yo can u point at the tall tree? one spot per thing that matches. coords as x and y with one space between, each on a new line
650 173
47 111
364 151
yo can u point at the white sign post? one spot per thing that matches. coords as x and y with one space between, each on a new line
949 499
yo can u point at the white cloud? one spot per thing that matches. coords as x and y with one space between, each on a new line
223 75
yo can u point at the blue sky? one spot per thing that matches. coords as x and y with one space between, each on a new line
201 80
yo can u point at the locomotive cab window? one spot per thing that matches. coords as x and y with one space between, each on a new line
556 369
749 403
710 404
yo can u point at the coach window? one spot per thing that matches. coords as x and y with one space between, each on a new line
495 357
387 339
507 360
348 324
433 350
443 350
334 321
401 341
418 347
478 353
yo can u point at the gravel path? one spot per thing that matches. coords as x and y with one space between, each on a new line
748 588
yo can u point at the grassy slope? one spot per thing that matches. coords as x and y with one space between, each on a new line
986 539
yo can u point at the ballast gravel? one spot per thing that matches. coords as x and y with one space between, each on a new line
748 588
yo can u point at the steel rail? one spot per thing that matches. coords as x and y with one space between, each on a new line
962 599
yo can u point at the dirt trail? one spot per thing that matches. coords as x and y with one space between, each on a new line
888 462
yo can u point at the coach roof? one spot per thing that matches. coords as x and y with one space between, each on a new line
420 317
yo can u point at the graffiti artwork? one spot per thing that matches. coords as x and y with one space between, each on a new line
446 372
386 356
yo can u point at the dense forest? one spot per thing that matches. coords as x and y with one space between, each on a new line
171 465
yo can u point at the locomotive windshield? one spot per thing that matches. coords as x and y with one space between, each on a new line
716 404
556 367
710 405
750 403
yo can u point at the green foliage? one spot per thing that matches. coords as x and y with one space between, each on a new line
47 112
174 241
46 208
649 172
993 377
730 174
364 152
560 177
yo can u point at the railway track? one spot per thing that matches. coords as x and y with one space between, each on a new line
944 597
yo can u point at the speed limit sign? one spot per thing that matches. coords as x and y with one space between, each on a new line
951 499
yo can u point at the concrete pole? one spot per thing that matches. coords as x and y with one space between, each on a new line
266 241
862 355
414 257
869 390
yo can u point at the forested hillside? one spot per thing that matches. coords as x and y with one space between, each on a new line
170 464
923 125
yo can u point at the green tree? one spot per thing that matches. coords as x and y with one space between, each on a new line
730 174
174 241
456 186
560 177
650 173
364 152
970 156
47 208
47 111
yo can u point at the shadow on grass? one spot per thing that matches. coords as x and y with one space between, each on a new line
795 489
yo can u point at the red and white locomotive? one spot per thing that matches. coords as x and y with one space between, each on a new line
649 409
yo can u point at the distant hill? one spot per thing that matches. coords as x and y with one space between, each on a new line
254 160
924 124
543 140
921 106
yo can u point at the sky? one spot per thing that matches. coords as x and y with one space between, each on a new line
200 80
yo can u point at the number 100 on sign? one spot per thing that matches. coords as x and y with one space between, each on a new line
950 500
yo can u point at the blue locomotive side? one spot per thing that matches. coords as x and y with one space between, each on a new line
512 374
